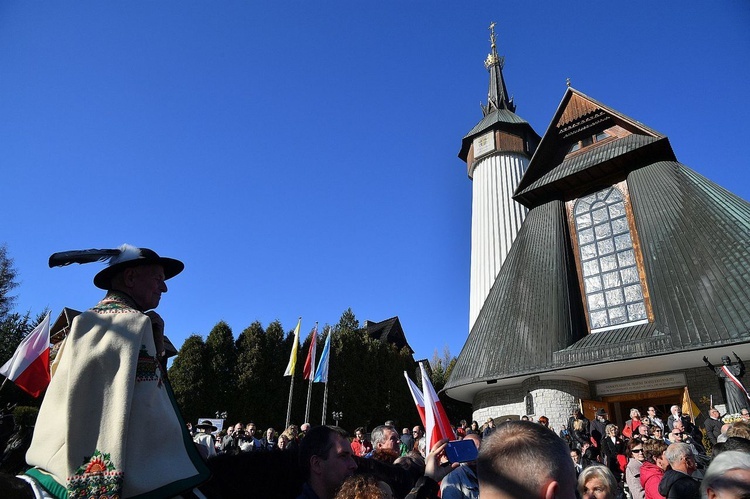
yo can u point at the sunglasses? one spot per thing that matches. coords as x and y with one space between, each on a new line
639 451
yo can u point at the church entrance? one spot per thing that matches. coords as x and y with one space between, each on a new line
618 406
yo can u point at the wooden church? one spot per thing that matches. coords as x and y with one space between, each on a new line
602 269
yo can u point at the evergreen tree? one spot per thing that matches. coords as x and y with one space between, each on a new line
247 399
222 359
275 385
8 282
13 328
190 380
366 380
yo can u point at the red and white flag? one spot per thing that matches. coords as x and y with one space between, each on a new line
29 366
416 394
437 425
307 371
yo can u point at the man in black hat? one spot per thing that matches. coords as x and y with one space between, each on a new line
109 393
598 424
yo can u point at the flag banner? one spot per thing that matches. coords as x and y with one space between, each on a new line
688 406
307 370
416 394
29 366
321 373
293 358
437 425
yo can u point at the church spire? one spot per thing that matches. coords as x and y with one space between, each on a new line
497 96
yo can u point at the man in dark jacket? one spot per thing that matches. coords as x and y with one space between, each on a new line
598 425
713 425
677 482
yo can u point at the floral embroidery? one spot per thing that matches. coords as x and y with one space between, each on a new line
96 478
148 368
115 303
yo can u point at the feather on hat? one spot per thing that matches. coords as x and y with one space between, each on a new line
119 259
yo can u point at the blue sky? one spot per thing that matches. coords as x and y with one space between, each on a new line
301 157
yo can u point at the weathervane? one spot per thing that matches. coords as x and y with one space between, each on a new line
492 57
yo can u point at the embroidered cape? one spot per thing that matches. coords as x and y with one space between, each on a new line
109 425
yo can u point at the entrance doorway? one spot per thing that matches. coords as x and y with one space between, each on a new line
661 400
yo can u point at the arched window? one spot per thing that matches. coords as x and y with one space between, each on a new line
612 285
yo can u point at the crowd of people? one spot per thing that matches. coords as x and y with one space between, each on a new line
649 457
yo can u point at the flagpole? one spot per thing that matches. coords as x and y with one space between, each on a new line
325 403
289 405
312 373
321 373
290 371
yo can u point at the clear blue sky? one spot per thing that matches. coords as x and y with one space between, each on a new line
300 157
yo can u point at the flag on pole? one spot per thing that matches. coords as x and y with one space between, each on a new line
307 370
321 373
416 394
293 358
29 366
688 406
437 425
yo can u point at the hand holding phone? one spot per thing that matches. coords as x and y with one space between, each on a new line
461 451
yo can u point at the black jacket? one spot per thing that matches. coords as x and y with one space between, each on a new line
677 485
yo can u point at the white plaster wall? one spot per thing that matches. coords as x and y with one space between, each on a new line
495 221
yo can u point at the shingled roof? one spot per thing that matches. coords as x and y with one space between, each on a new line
388 331
694 239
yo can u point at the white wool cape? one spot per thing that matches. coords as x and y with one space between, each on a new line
108 398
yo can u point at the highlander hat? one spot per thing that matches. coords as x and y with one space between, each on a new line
124 257
207 425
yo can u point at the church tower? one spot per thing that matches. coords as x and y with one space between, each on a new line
497 152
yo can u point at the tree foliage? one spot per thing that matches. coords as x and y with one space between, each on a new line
366 381
8 282
439 371
13 327
189 381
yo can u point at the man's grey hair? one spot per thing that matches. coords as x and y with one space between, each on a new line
671 409
521 457
378 434
715 478
676 451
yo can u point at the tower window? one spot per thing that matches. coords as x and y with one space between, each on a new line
612 284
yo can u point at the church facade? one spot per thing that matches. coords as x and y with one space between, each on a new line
610 271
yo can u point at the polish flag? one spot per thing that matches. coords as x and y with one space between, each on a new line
437 426
307 371
416 394
29 366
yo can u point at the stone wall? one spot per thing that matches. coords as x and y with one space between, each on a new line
534 397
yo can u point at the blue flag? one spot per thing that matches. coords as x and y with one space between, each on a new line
321 373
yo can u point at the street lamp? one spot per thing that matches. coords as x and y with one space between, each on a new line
337 415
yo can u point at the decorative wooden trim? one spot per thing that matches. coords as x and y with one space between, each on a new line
569 208
504 142
576 108
623 186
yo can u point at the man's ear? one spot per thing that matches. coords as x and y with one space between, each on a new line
315 465
551 489
128 276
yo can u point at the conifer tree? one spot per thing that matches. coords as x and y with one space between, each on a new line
190 380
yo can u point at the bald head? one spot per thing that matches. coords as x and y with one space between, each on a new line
523 460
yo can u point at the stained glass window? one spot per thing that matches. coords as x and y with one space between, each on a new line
612 287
